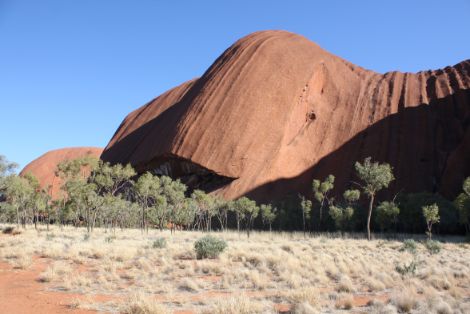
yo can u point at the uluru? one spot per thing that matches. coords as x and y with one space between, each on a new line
44 167
275 110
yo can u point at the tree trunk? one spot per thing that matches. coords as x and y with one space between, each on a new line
142 223
238 223
303 219
371 203
17 217
35 220
321 215
248 229
225 221
87 221
94 220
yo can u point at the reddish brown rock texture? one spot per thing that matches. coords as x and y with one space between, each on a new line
44 167
275 111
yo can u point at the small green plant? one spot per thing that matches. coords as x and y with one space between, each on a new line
109 239
434 247
431 215
86 237
407 269
159 243
209 247
409 245
50 236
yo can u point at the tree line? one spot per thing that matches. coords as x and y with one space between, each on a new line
95 193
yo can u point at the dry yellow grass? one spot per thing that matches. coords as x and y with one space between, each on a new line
255 275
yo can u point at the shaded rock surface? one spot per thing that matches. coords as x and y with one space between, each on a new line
44 167
275 111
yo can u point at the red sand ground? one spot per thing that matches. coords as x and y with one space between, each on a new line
20 293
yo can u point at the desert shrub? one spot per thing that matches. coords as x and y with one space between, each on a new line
141 303
345 285
407 269
405 301
110 239
433 247
8 230
409 245
345 302
309 295
159 243
50 236
86 237
304 308
238 305
209 247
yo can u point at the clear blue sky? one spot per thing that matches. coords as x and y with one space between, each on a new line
71 70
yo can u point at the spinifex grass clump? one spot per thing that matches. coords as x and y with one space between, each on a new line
409 245
432 246
159 243
209 247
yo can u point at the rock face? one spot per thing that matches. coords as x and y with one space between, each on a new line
43 168
275 111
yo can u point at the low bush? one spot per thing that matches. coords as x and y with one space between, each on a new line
409 246
433 247
8 230
141 303
110 239
405 269
159 243
209 247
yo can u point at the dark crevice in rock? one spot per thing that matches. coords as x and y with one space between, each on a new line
193 175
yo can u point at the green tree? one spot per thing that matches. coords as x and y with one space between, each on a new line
39 199
222 208
206 209
268 214
80 192
462 202
245 210
410 219
158 212
320 192
375 177
351 196
431 216
7 168
184 215
387 212
18 193
250 213
147 190
306 206
111 179
173 191
342 214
